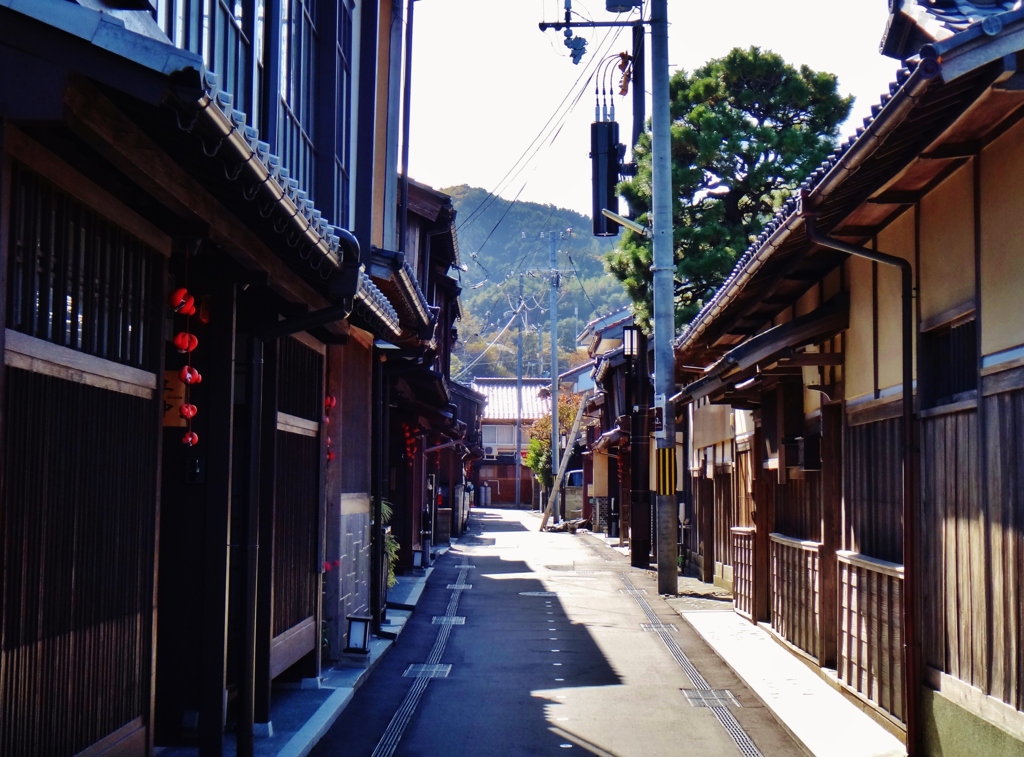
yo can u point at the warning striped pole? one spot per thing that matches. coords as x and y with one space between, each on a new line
667 471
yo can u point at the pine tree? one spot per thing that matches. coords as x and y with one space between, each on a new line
746 130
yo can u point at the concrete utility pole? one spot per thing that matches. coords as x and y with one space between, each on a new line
519 399
664 317
554 372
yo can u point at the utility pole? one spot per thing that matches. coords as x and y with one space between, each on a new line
664 317
554 372
519 398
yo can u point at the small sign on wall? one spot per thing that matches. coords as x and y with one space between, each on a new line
174 396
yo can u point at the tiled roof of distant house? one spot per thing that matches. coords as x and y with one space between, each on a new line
913 23
501 398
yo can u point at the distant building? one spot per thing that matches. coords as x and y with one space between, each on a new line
498 435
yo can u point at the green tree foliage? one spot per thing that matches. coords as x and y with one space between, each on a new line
538 454
498 240
746 130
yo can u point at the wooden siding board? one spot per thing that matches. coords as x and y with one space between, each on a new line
78 553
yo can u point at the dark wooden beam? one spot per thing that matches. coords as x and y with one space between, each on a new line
953 150
895 198
857 232
813 358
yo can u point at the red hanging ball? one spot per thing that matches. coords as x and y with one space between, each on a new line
189 307
190 439
188 411
190 375
327 567
179 299
185 342
330 402
330 456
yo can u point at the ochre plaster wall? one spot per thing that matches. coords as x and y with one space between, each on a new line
1002 244
947 245
896 239
859 369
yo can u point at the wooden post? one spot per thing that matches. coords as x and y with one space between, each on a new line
265 570
217 526
831 502
764 488
707 521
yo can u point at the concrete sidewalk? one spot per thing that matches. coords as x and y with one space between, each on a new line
301 715
821 719
814 713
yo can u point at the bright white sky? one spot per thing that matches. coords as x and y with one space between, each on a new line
486 80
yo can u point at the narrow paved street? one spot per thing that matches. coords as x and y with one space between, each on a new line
528 643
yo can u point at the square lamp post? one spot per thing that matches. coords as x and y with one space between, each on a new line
358 635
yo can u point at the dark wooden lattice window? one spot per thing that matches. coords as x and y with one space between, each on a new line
949 363
77 280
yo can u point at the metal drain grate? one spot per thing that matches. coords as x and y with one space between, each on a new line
710 698
658 627
427 671
451 620
733 728
722 712
538 593
460 586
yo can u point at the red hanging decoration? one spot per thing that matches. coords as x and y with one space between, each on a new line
179 299
190 439
190 375
188 411
330 402
185 342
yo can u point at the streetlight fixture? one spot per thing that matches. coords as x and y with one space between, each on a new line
631 341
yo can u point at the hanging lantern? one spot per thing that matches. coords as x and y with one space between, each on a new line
190 375
185 342
179 299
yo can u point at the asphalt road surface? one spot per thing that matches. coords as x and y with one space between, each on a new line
528 643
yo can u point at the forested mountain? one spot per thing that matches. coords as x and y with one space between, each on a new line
498 241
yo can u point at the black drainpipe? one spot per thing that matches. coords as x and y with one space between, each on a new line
910 591
344 285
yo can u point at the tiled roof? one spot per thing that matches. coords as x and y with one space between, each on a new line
501 398
913 23
944 18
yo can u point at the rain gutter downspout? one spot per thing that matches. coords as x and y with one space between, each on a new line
911 677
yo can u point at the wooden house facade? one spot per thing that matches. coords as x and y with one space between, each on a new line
194 332
429 428
873 335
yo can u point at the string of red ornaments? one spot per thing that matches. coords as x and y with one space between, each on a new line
183 303
329 404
